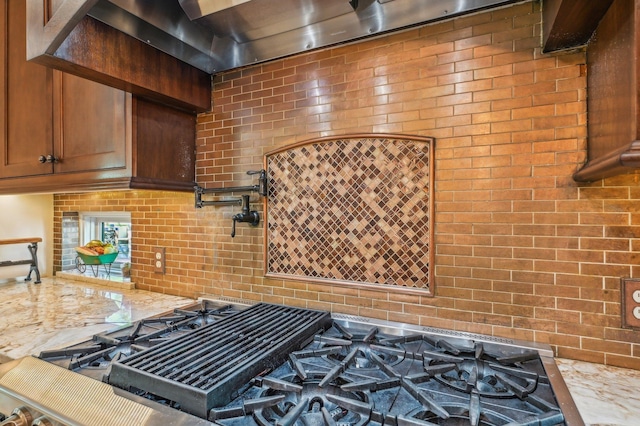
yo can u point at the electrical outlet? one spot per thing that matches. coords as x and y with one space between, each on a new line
159 259
631 303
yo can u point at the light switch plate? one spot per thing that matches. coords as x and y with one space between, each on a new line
631 303
159 260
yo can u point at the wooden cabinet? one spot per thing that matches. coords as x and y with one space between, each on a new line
90 125
69 125
613 105
164 154
64 133
27 101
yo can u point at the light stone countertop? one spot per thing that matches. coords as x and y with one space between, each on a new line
62 311
604 395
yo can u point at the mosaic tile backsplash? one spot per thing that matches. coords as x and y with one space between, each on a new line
352 211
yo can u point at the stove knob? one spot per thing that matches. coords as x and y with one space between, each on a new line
42 421
20 417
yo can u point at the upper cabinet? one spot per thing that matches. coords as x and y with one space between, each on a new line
613 106
65 133
27 101
612 30
90 126
164 154
59 123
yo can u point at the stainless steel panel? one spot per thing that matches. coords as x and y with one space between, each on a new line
198 8
216 36
71 399
264 18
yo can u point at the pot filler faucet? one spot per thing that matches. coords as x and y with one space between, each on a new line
252 217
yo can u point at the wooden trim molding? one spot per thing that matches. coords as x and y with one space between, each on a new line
354 211
570 23
620 161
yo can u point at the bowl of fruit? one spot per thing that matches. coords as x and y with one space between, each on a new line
96 252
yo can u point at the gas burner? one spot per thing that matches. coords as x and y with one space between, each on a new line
356 347
289 400
489 379
363 356
488 374
348 354
86 357
467 366
461 415
305 402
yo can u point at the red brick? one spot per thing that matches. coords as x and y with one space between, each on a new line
522 250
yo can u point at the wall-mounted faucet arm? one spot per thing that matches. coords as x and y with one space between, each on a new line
260 188
247 188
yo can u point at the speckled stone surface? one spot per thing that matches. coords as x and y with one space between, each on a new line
604 395
59 312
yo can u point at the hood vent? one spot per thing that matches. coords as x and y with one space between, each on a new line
218 35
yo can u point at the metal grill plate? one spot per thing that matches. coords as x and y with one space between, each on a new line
205 369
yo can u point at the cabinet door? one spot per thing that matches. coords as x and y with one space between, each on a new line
91 128
164 140
27 105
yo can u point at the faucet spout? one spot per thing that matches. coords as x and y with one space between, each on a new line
249 216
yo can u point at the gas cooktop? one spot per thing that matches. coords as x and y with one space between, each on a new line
231 363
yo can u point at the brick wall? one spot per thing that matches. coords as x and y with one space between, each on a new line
522 250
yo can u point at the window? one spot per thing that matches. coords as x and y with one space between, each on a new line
109 227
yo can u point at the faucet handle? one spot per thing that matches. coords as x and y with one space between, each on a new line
262 184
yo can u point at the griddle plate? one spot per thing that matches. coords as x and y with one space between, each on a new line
206 368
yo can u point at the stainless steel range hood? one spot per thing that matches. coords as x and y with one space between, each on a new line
218 35
167 50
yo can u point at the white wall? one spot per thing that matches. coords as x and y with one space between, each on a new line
25 216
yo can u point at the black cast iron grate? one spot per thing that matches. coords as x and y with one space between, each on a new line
206 368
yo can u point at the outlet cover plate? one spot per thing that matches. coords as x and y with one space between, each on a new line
159 259
631 303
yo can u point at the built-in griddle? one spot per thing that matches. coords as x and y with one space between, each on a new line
206 368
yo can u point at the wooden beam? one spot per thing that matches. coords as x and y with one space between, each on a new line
570 23
68 40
